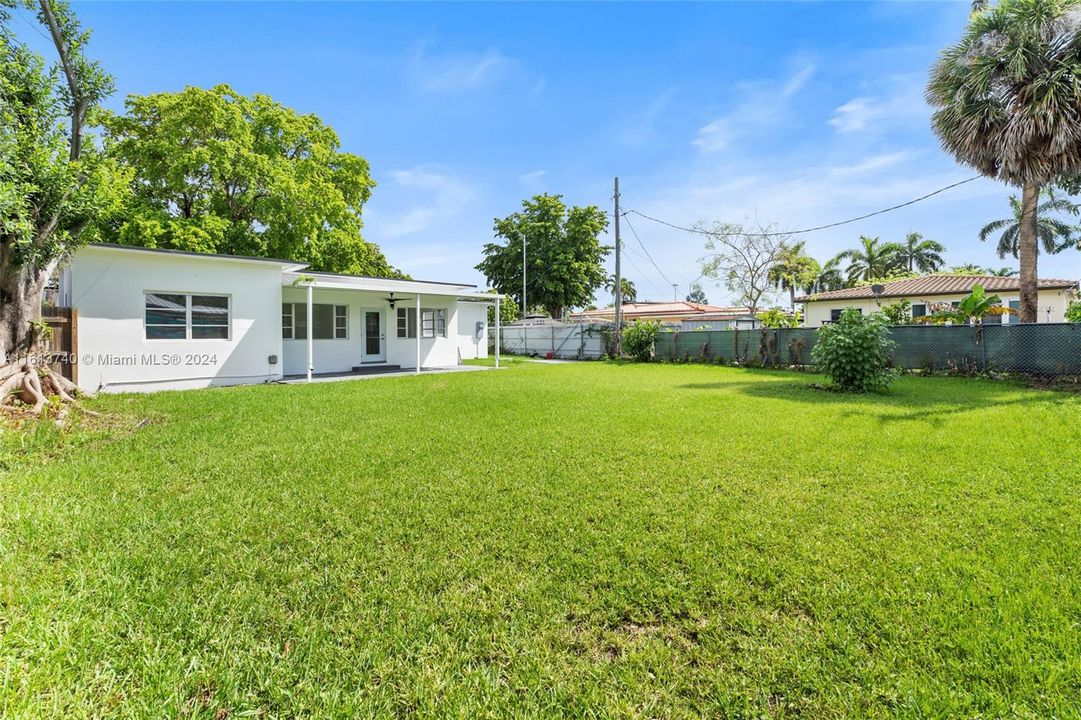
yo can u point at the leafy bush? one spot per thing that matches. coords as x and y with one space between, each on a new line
778 318
899 313
855 352
638 339
1073 312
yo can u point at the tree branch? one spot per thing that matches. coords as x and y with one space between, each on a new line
78 103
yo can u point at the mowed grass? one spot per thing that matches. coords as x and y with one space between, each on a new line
586 540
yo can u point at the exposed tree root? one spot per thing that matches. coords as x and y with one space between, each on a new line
27 386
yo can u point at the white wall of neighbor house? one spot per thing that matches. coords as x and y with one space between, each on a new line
1053 304
109 289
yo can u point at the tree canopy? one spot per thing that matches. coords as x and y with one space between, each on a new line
53 182
742 258
217 172
564 256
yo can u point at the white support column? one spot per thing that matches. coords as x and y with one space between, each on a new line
311 347
419 333
497 331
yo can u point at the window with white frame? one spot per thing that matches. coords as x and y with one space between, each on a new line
407 322
433 322
918 310
329 322
185 316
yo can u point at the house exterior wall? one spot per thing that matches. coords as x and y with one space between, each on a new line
1052 303
471 345
108 288
342 355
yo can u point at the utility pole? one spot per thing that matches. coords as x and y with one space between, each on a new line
675 292
524 303
618 291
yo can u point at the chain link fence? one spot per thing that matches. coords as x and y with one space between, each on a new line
1039 349
569 342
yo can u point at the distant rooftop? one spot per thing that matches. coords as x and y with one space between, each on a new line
935 285
676 308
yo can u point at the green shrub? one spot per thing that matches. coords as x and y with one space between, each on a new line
638 339
1073 312
899 313
778 318
855 352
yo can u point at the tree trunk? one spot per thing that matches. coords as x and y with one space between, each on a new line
1027 248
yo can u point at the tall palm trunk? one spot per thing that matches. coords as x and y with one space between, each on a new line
1027 249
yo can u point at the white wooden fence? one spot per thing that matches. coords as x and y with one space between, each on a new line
575 342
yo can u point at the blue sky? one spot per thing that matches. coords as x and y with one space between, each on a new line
794 113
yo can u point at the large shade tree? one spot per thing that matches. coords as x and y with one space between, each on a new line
1007 102
918 253
564 256
872 260
218 172
54 183
1053 233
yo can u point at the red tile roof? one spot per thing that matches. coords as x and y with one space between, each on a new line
935 285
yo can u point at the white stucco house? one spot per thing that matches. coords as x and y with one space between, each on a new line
150 319
929 291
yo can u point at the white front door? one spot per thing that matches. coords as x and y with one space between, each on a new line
375 340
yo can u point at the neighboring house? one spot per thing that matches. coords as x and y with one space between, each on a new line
925 292
149 319
675 314
734 318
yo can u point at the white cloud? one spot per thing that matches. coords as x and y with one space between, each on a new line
430 199
641 129
855 115
899 103
761 105
459 72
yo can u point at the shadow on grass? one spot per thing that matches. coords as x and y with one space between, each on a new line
929 399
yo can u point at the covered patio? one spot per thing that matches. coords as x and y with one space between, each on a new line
341 326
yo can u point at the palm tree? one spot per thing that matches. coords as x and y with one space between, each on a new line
829 277
1006 103
968 269
1001 272
794 269
916 253
629 292
1053 234
874 261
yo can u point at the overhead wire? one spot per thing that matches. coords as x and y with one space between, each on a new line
700 231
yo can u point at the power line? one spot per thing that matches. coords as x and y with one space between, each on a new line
811 229
33 26
642 245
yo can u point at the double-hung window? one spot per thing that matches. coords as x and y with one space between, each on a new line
407 322
329 322
185 316
433 322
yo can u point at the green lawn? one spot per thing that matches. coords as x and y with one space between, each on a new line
552 540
